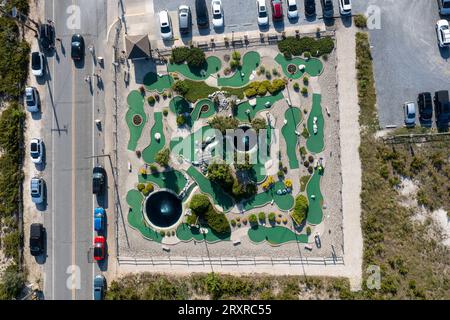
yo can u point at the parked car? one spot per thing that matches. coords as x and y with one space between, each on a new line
201 11
443 33
77 47
37 64
46 36
217 12
184 19
32 99
263 17
99 219
98 179
36 150
310 8
317 240
409 110
425 104
99 248
37 190
99 287
327 8
441 108
345 7
166 25
277 10
292 10
444 7
37 237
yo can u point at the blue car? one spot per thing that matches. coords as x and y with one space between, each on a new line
99 219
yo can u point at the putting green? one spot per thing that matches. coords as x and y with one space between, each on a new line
315 214
186 147
179 105
259 168
197 113
155 146
185 233
135 106
313 66
284 201
294 117
315 142
159 83
135 217
250 62
173 180
241 109
275 235
212 65
211 188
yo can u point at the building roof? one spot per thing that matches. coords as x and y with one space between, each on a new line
137 47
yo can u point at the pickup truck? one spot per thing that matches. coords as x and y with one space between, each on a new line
444 7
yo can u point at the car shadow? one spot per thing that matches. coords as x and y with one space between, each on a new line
293 21
102 200
264 28
279 26
311 18
42 258
204 31
43 206
103 264
329 22
219 30
186 38
347 21
444 52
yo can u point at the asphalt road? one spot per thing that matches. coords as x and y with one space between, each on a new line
406 55
69 110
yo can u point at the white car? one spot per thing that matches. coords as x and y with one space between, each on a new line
36 150
217 12
443 33
263 17
32 99
292 9
345 7
37 64
37 190
166 25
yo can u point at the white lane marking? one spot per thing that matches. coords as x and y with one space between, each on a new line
53 174
93 163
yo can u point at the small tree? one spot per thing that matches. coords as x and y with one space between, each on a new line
181 87
300 209
199 204
163 157
272 217
140 187
262 217
181 120
196 58
253 219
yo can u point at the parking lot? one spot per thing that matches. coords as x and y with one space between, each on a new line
407 58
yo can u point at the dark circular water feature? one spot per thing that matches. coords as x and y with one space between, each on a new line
163 208
246 142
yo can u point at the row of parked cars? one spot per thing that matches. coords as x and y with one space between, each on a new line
425 104
202 15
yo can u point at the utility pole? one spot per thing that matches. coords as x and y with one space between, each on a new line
17 15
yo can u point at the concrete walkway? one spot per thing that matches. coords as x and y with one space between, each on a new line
351 163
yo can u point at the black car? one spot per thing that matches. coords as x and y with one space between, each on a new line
425 104
77 46
202 13
46 36
310 7
442 108
98 179
36 239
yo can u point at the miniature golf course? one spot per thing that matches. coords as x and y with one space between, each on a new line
135 217
315 142
216 193
211 66
241 110
155 146
293 117
179 105
315 205
313 66
275 235
159 83
135 108
198 113
186 233
173 180
250 62
284 201
186 146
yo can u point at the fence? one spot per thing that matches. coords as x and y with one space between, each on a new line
417 138
229 261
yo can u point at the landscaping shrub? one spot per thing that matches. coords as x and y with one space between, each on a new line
305 133
360 21
262 217
181 120
305 80
258 124
191 219
233 222
311 158
181 87
296 86
236 55
199 204
308 230
307 54
272 217
163 157
304 91
303 152
151 100
253 219
250 92
268 75
297 46
165 112
140 186
217 221
196 58
288 183
11 282
180 54
138 153
153 168
300 209
276 86
223 123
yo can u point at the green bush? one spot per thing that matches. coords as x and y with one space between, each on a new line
181 120
305 80
153 168
233 222
305 133
180 54
11 282
250 92
151 100
304 91
262 216
276 86
297 46
191 219
236 55
308 230
300 209
163 157
140 186
223 123
360 21
217 221
307 54
181 87
272 217
234 64
296 86
253 219
196 58
199 204
165 112
11 243
258 124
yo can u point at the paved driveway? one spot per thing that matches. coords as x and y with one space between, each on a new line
406 55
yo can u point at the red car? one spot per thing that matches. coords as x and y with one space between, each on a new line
99 248
277 10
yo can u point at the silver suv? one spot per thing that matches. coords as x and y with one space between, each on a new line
37 190
184 19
